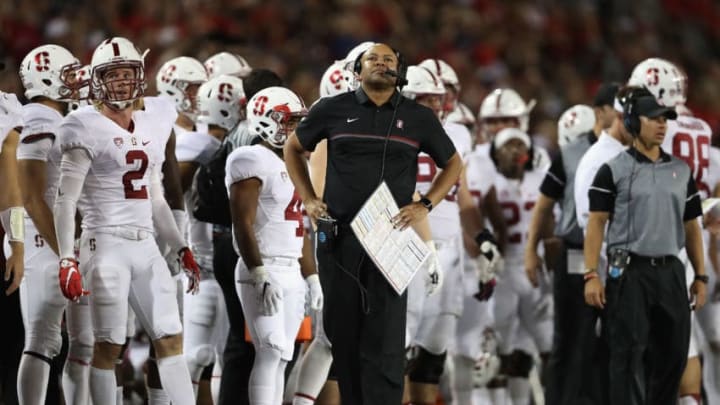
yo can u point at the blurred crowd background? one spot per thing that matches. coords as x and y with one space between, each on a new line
555 51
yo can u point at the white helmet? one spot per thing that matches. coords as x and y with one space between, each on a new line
348 70
175 76
334 80
573 122
220 102
663 79
82 83
442 70
226 63
462 115
506 103
269 111
112 53
421 81
46 71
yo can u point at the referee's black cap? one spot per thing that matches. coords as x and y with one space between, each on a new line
647 106
606 94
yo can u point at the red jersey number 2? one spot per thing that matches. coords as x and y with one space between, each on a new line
293 212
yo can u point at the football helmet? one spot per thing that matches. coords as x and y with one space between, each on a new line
226 63
115 53
175 77
462 115
663 79
270 113
335 80
503 103
421 81
49 71
220 102
573 122
444 71
82 83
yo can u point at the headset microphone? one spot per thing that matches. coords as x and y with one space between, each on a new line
401 81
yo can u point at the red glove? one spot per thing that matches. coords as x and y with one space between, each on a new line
192 271
485 290
70 280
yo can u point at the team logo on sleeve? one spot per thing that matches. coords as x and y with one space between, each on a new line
118 142
399 124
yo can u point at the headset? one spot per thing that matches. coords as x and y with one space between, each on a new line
400 74
631 120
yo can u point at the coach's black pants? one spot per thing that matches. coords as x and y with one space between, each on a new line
239 354
648 331
570 379
364 320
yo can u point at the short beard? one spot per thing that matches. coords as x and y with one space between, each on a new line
378 84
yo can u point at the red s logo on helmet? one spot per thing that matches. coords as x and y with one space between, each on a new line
167 74
225 92
42 61
259 108
335 79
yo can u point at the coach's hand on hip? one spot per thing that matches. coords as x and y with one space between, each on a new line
698 294
409 214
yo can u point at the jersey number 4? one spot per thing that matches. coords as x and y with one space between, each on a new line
293 212
131 158
692 151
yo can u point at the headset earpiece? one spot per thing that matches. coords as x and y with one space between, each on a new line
357 66
630 119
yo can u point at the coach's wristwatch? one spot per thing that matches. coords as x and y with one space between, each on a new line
703 278
426 203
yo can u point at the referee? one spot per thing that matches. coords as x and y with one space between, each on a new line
373 134
652 205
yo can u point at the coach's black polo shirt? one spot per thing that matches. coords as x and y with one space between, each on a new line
357 132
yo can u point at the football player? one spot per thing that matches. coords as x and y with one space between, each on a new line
226 63
110 168
519 308
220 101
49 75
576 120
268 229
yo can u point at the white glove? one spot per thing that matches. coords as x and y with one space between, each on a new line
490 258
269 295
434 275
315 292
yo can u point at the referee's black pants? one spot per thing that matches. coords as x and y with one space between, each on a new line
648 331
364 319
570 379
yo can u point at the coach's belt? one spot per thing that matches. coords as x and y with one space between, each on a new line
125 233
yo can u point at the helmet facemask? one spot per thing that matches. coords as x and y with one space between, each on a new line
278 123
118 93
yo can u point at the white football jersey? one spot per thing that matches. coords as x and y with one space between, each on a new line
38 142
116 192
480 173
11 115
714 173
688 138
517 199
445 218
197 147
279 219
163 110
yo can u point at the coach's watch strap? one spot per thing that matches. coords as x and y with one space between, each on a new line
426 203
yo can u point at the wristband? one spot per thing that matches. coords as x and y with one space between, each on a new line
426 203
13 221
590 274
703 278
